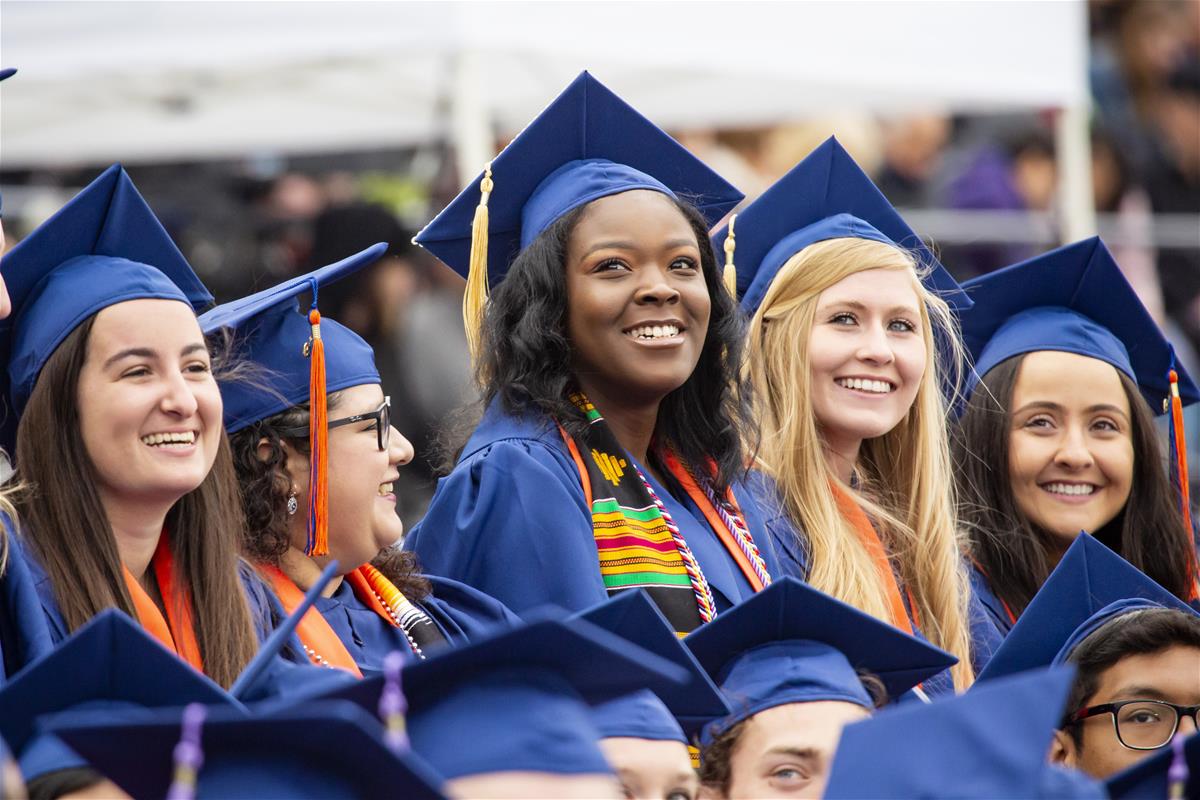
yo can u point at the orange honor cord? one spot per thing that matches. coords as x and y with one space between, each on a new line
869 539
1179 442
318 440
173 631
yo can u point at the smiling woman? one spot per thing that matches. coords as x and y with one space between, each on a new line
609 453
847 357
128 498
379 602
1072 370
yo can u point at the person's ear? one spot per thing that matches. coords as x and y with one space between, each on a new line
263 449
1063 750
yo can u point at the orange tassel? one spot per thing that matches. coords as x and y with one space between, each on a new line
318 435
1181 460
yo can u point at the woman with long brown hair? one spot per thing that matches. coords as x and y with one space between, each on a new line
850 347
129 496
1058 435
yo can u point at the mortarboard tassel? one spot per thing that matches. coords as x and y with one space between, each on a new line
392 704
1177 773
730 275
1179 449
476 294
188 754
318 436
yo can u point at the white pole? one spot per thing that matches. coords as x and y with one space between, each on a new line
470 128
1073 145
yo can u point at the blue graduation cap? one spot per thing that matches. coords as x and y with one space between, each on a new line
1172 772
105 246
1087 579
108 664
292 346
678 712
271 330
7 73
587 144
986 744
825 196
323 751
793 644
1074 299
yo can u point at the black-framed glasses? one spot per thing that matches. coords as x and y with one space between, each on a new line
382 417
1141 724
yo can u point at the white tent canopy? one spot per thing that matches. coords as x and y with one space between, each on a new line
151 81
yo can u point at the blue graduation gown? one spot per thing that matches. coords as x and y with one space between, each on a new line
511 520
369 638
788 542
24 633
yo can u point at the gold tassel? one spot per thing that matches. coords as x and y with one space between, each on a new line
730 276
476 295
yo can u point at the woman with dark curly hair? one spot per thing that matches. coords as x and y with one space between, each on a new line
316 488
612 442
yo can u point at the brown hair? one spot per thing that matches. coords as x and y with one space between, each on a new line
265 485
1141 632
1149 533
65 521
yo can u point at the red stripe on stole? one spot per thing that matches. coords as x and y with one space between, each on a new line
667 546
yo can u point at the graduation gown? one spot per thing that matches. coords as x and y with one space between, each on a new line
511 520
788 542
24 632
459 612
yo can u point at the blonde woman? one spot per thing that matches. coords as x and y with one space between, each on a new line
851 342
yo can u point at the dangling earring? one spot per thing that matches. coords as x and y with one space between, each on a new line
292 505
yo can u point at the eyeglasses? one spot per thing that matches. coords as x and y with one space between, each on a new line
1141 724
382 417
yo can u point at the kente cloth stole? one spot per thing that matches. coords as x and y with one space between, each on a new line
174 631
869 538
638 543
381 596
321 644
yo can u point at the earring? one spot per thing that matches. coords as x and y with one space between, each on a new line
292 505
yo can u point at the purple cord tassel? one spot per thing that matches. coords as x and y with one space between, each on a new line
188 754
1177 774
392 703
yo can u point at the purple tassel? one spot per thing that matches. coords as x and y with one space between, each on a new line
392 703
188 754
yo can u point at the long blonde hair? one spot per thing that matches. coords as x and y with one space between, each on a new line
906 482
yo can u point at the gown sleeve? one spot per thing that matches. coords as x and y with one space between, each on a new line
24 630
783 536
464 613
511 521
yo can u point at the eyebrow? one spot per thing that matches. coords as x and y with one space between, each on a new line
673 244
858 306
146 352
1046 404
803 753
1141 693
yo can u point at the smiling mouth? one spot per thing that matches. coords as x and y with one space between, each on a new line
866 385
169 440
386 489
1069 489
666 330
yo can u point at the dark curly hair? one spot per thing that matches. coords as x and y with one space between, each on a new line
526 354
265 485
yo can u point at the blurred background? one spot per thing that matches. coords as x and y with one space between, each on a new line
274 137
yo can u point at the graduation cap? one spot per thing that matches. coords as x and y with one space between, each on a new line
108 664
793 644
678 712
587 144
104 247
1074 299
7 73
306 358
1088 578
825 196
1172 772
321 751
986 744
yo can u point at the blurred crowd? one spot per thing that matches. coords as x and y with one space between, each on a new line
248 224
